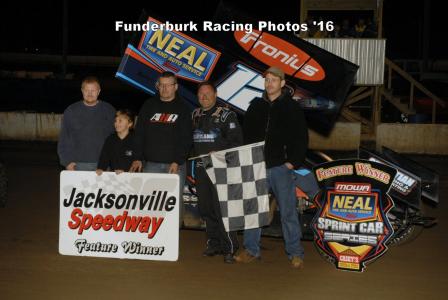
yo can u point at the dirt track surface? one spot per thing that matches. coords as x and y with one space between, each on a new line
31 267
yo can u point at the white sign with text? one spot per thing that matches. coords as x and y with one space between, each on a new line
130 215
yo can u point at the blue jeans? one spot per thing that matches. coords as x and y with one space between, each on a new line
156 167
280 180
85 166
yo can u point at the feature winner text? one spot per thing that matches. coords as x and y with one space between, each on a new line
157 201
357 233
128 248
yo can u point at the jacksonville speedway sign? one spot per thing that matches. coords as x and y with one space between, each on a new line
131 215
351 227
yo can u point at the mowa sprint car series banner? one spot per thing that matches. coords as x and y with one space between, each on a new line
131 215
351 227
235 60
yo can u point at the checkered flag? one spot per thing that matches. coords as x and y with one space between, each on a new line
239 175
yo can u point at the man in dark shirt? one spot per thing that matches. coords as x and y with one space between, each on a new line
163 134
280 122
215 128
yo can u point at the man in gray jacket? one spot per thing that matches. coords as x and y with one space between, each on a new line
85 126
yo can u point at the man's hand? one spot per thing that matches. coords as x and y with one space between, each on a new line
174 168
118 172
99 172
71 166
136 166
289 165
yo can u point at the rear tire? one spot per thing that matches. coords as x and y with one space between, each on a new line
405 231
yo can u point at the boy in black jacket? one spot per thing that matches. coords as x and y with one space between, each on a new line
117 153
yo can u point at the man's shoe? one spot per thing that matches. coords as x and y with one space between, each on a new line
297 262
228 258
245 257
211 252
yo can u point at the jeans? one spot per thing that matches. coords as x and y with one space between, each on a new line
156 167
84 166
280 180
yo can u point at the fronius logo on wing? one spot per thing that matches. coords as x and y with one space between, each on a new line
274 51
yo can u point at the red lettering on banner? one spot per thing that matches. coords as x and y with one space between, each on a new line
145 224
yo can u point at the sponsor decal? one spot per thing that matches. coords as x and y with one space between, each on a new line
243 84
402 183
176 52
164 118
349 200
200 136
351 225
406 186
275 51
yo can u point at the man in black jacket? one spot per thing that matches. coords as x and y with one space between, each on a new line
163 134
279 121
214 128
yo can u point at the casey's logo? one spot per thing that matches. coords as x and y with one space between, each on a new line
274 51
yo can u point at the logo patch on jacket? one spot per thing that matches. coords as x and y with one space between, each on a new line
200 136
164 118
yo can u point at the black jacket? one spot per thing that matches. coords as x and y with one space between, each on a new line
281 124
117 154
163 131
215 129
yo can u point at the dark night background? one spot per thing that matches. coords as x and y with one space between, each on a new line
36 27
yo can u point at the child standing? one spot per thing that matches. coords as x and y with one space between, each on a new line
117 153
